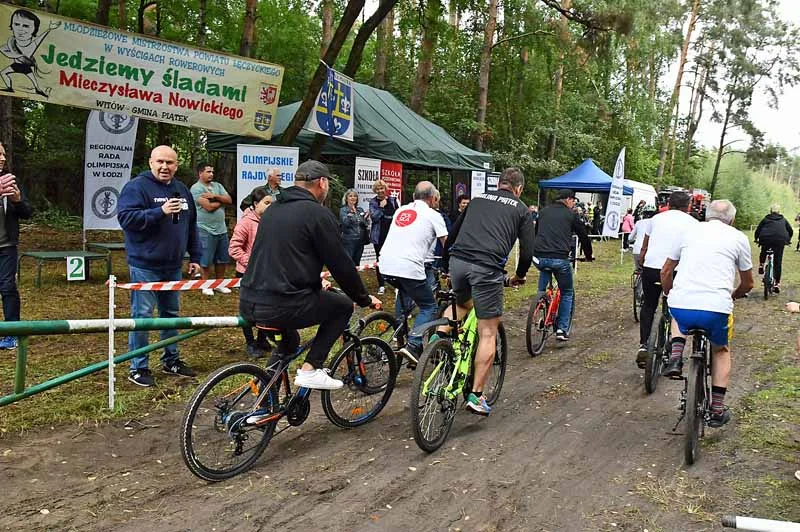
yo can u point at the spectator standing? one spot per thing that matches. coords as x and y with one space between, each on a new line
244 235
353 220
627 227
637 212
381 211
462 202
597 219
158 216
210 198
14 207
272 188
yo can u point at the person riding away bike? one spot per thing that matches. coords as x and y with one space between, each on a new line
281 288
557 223
665 229
773 232
637 235
414 230
478 248
702 293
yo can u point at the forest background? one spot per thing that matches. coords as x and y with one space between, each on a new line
540 84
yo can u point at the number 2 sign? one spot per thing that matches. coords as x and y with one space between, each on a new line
76 269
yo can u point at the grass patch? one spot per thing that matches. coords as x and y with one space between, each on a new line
772 498
680 493
597 360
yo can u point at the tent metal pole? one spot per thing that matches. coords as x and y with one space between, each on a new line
437 178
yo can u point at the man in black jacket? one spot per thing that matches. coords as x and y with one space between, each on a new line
557 223
773 232
296 237
14 206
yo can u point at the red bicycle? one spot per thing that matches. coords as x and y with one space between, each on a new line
543 319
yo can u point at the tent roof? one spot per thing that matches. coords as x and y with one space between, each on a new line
585 178
384 129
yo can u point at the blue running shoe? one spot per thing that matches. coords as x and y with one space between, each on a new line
477 405
8 342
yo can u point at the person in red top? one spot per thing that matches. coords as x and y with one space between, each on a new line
239 249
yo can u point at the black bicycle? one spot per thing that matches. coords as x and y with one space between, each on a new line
233 415
695 402
769 273
658 347
638 294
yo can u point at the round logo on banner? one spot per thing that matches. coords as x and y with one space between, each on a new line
116 123
405 218
612 220
104 203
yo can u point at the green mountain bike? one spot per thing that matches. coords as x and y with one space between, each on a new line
444 374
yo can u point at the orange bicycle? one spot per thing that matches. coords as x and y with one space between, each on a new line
543 319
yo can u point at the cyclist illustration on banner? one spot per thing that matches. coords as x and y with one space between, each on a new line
333 114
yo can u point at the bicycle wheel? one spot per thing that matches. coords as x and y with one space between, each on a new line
695 408
369 371
767 279
494 380
638 297
217 443
655 353
432 414
380 324
535 329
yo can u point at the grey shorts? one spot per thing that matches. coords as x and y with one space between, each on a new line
481 284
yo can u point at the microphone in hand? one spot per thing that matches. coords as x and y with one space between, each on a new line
176 216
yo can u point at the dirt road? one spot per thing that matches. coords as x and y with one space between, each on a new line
574 444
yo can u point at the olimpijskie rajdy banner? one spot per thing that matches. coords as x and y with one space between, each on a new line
59 60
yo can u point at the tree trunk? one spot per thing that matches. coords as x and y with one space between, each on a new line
563 34
248 29
695 115
676 90
383 49
721 149
483 74
327 25
349 17
122 15
202 25
103 12
454 15
430 34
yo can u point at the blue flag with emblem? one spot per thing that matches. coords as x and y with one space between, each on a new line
334 109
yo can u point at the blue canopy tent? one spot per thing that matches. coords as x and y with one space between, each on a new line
585 178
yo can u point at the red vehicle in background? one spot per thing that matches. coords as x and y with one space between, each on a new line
699 200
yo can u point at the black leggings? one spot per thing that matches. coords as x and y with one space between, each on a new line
652 296
777 258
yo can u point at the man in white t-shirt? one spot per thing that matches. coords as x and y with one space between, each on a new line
637 235
702 294
414 229
665 229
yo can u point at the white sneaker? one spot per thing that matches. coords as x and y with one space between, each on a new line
381 290
318 379
208 292
223 290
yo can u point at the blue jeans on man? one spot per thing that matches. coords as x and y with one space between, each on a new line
415 291
143 303
562 269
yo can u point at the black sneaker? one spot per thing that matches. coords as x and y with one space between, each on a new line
674 368
776 289
253 351
641 356
143 378
715 421
561 335
179 368
264 346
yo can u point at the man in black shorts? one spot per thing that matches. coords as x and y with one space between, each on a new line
481 240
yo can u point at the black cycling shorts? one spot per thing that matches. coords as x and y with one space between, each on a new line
481 284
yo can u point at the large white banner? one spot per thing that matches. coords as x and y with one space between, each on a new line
614 207
253 162
110 138
478 184
367 172
335 108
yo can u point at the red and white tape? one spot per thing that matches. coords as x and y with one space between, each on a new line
199 284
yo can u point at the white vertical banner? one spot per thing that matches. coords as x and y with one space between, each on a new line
367 172
253 162
478 184
110 138
614 207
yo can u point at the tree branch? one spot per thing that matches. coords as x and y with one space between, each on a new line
521 35
574 16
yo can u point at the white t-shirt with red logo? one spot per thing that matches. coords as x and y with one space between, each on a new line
414 229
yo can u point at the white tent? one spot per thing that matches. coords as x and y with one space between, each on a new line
641 191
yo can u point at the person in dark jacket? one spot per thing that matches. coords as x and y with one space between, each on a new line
381 211
557 223
462 201
281 288
773 232
354 222
15 206
157 214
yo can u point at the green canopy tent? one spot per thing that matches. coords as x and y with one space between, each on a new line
384 129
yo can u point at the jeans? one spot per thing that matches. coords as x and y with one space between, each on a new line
652 295
562 269
215 248
8 283
415 291
143 303
248 331
329 310
354 249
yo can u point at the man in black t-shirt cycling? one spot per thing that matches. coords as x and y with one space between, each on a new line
481 240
